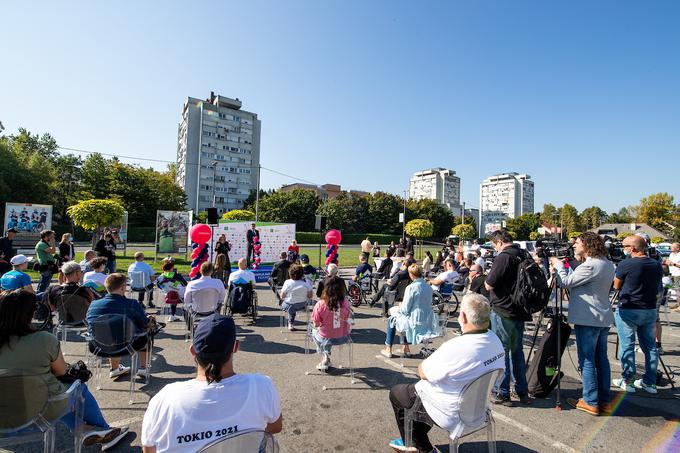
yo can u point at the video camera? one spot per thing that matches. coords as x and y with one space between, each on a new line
558 248
614 251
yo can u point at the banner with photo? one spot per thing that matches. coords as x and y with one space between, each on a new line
29 220
172 231
274 237
119 231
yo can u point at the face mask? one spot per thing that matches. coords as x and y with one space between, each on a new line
626 253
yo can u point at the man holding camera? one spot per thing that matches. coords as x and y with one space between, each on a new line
591 313
638 279
507 318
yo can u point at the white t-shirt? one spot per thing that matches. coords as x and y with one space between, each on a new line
448 277
481 262
96 277
244 275
456 363
185 416
296 291
674 258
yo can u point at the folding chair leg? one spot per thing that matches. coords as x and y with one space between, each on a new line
134 361
491 434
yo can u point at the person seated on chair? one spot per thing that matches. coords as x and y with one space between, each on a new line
385 268
330 319
115 303
332 271
242 275
96 277
78 298
414 317
140 266
476 281
171 280
85 265
393 283
280 270
307 269
448 277
17 278
295 294
446 372
217 399
22 348
363 269
205 282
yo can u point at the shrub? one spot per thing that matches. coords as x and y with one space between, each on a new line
623 235
657 240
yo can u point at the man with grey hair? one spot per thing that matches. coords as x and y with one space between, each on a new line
85 263
445 373
332 271
78 296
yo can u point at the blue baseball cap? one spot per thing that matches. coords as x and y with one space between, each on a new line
214 337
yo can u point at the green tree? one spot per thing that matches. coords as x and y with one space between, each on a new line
535 236
346 213
419 228
383 211
96 177
592 217
656 209
440 216
657 240
91 214
569 219
524 225
574 234
249 203
239 214
464 231
623 235
549 214
622 216
298 206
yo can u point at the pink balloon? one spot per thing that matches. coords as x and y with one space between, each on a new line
200 233
333 237
195 253
194 271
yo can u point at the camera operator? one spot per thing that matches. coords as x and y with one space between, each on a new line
591 313
638 278
673 263
653 253
507 318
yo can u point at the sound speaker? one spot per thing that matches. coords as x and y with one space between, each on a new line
212 216
320 223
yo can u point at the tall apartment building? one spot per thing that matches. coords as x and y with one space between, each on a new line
218 153
437 184
504 196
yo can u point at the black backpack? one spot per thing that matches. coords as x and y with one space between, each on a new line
531 291
239 299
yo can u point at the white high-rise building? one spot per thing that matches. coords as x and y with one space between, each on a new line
437 184
218 153
504 196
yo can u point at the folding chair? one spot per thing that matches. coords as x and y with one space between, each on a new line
139 282
71 312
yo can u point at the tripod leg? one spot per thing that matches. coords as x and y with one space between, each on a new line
668 375
535 336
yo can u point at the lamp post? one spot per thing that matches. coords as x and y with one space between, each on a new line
214 168
403 223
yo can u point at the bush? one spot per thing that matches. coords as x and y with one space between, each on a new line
623 235
239 214
657 240
303 237
420 228
535 236
574 234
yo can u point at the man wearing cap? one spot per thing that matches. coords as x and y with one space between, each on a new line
187 415
308 269
17 278
250 236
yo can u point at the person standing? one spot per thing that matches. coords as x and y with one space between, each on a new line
66 250
223 247
638 279
591 313
507 318
106 247
673 263
44 253
6 247
366 247
250 237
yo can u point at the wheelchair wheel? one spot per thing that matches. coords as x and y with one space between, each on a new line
253 307
42 317
454 304
354 294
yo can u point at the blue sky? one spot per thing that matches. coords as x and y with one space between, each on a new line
583 96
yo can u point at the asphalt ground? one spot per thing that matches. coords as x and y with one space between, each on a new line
327 413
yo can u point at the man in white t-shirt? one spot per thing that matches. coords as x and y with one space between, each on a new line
673 263
242 275
445 373
479 259
187 415
198 302
449 276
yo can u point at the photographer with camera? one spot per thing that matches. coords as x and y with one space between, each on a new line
507 318
638 279
590 312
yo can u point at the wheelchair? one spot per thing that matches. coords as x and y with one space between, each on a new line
447 296
360 291
251 298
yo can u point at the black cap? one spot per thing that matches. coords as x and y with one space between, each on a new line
214 337
12 230
304 258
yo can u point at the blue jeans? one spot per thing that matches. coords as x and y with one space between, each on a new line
391 333
643 322
323 345
511 333
292 309
111 266
591 346
92 415
45 280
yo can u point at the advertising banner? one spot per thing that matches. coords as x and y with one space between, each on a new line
274 237
29 220
172 231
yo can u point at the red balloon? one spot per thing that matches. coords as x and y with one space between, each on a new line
200 233
333 237
195 253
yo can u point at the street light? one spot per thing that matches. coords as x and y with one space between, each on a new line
403 231
214 168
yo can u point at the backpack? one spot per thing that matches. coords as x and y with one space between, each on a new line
172 297
239 299
531 291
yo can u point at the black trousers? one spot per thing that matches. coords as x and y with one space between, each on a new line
251 252
140 293
402 396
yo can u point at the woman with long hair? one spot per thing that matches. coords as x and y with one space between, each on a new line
331 319
222 269
66 250
23 348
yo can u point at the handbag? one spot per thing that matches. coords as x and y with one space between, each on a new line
76 372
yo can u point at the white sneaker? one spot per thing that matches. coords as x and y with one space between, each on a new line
121 370
174 318
623 385
143 373
639 384
115 440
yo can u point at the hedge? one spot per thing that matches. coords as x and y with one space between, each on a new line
303 237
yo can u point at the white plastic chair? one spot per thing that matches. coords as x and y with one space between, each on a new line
71 312
24 403
166 288
203 303
249 441
349 345
474 413
139 282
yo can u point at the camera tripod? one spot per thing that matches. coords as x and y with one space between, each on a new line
614 300
557 315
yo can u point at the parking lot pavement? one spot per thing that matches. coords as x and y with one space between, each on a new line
357 417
